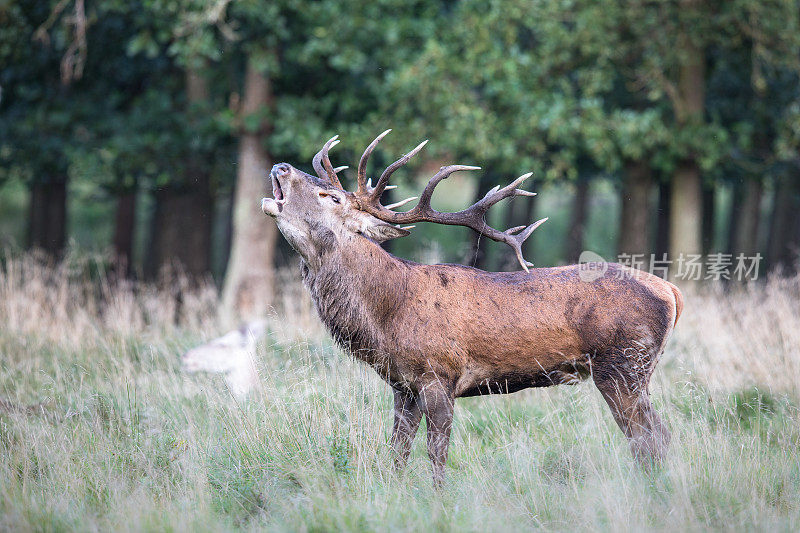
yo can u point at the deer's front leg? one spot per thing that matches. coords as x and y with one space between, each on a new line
407 416
437 404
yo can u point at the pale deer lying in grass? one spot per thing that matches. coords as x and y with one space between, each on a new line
233 355
439 332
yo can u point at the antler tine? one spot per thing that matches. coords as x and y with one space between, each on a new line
362 164
518 240
316 162
318 168
384 179
444 172
401 203
496 193
472 217
322 164
326 161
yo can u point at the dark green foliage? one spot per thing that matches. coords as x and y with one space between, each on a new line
565 89
340 455
752 406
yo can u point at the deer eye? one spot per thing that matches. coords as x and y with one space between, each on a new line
335 199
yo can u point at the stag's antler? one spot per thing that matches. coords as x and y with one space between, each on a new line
368 198
323 167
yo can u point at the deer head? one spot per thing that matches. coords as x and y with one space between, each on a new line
316 214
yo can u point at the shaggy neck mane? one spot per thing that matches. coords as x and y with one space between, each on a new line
358 290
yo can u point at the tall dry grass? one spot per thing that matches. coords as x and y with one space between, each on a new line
746 337
100 430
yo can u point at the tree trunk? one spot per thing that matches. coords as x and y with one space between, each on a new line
663 218
784 235
577 231
184 211
124 225
224 215
747 234
687 205
709 213
686 209
792 243
182 232
47 217
249 280
634 231
737 198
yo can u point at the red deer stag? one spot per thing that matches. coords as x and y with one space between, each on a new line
439 332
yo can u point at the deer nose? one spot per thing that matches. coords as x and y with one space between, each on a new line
281 169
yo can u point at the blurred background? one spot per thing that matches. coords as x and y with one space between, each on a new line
141 132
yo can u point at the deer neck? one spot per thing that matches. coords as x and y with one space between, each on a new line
358 289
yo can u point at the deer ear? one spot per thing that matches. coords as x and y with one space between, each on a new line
380 231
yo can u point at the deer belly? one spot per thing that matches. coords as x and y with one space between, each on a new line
506 382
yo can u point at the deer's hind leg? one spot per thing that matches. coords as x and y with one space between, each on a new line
622 376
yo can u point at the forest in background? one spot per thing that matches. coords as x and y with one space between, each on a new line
145 129
135 137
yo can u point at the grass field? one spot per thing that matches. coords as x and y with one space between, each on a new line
99 429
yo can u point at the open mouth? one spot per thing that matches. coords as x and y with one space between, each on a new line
277 192
274 206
